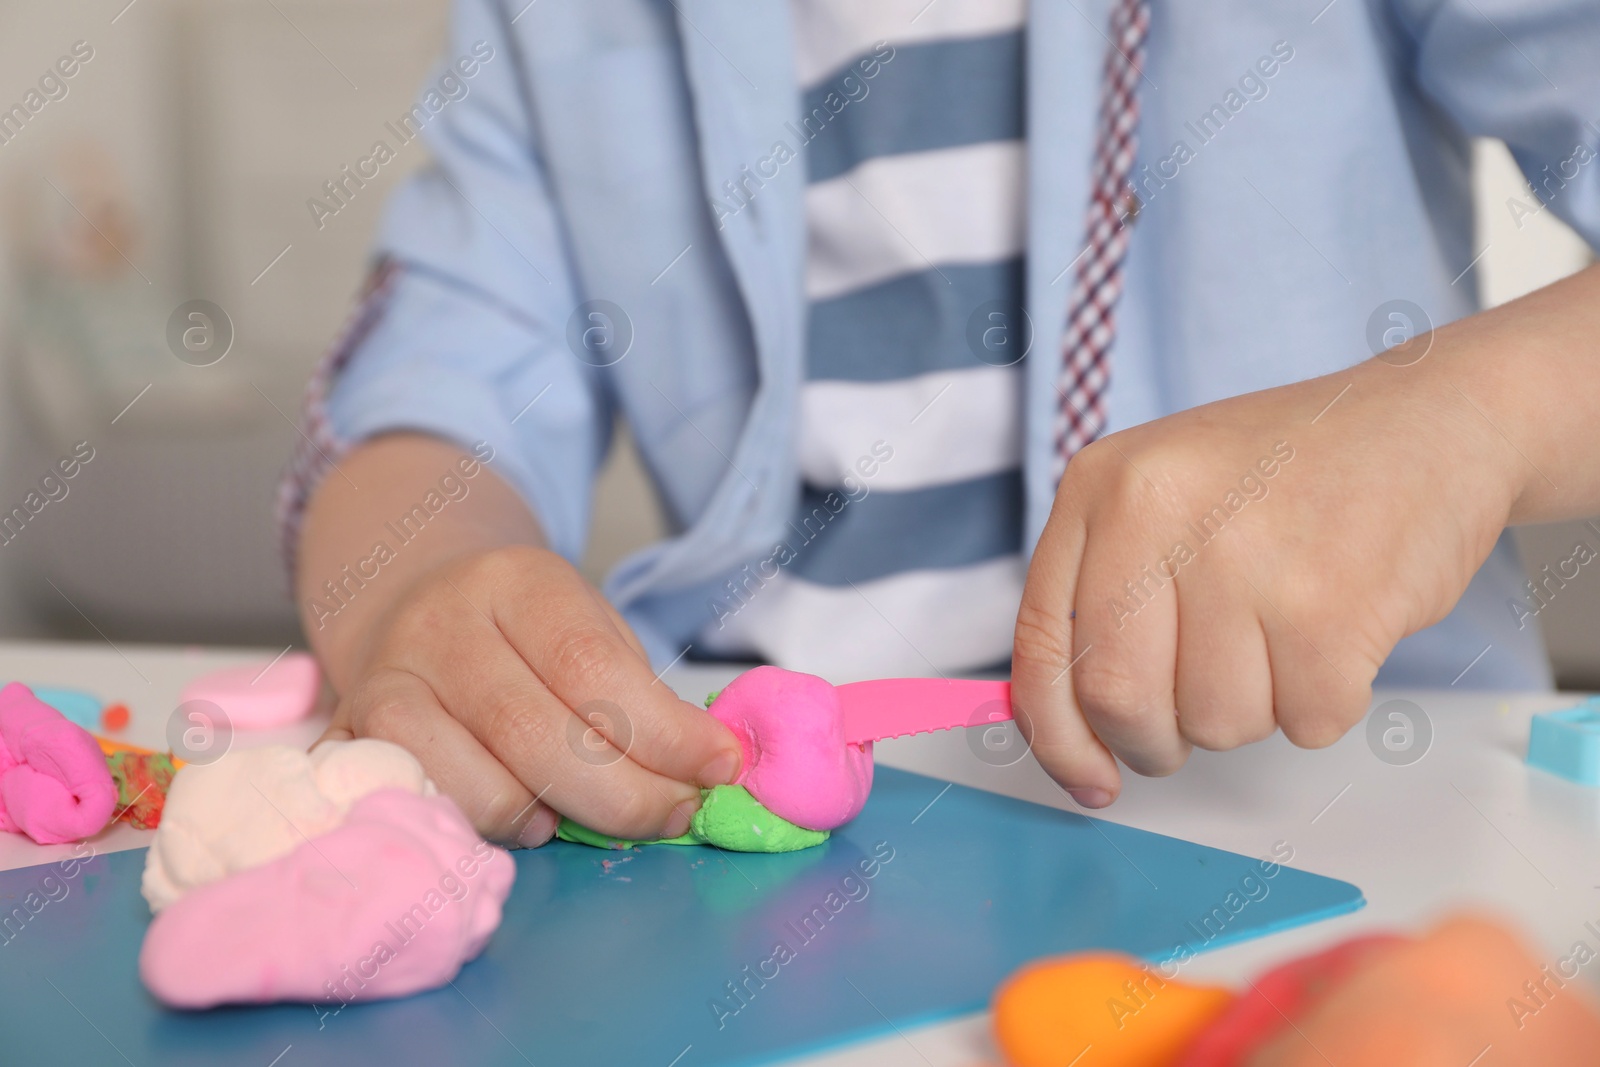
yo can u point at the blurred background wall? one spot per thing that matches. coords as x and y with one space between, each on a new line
174 165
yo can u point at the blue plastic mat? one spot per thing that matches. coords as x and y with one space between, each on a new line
671 956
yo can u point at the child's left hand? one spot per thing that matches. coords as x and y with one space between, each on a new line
1245 566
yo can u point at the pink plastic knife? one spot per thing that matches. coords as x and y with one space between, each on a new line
897 707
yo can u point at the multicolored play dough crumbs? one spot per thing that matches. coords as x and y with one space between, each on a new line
142 780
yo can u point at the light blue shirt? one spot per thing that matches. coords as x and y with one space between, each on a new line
591 158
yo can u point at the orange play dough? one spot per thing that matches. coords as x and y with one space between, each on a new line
1100 1010
115 717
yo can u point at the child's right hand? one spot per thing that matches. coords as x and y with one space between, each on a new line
525 694
519 688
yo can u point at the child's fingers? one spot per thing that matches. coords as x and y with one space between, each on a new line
620 623
1224 687
336 731
395 705
578 765
585 658
1319 690
1315 701
1043 668
1127 619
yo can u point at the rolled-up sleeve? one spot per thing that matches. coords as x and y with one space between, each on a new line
1526 72
462 331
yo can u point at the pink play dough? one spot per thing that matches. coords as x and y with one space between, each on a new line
796 761
257 804
257 699
392 902
54 783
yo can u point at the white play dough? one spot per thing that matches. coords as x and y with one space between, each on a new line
346 771
254 805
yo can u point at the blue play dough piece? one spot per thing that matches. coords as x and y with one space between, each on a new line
1567 742
678 944
78 706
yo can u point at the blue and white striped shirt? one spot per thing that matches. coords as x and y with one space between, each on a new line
906 552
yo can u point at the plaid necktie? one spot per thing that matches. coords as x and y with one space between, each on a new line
1091 322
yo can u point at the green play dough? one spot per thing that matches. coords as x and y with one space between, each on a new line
568 830
729 817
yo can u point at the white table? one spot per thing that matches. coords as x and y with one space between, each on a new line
1466 826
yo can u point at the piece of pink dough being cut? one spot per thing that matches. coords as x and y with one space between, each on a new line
260 697
391 902
54 783
796 760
